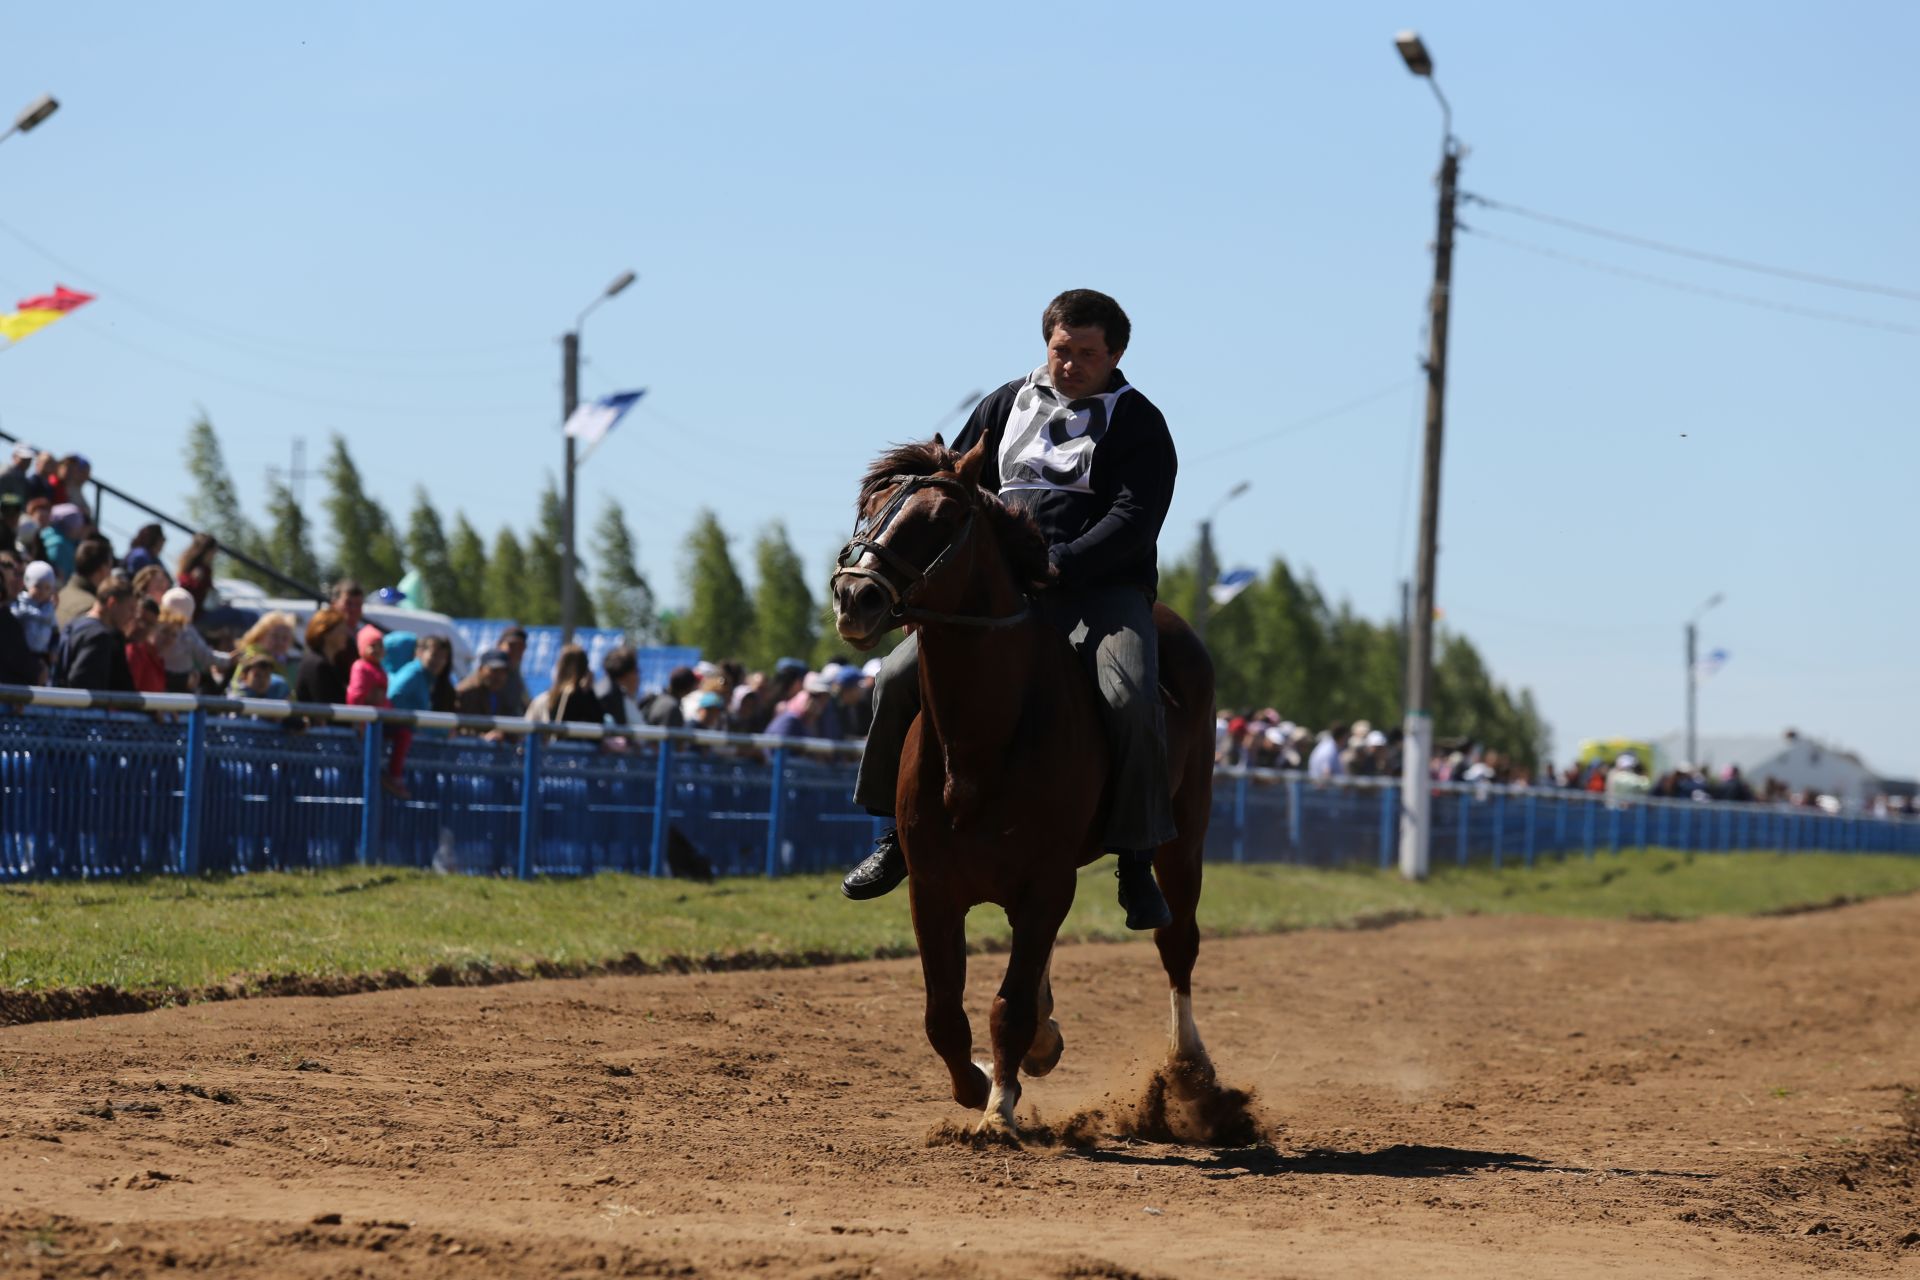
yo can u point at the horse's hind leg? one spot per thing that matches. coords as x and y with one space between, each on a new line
1048 1043
941 932
1016 1009
1177 867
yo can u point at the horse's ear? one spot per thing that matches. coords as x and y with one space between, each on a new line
968 468
938 441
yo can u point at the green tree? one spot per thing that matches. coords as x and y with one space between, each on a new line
719 616
467 565
504 588
366 545
432 558
544 549
783 610
214 506
288 544
622 598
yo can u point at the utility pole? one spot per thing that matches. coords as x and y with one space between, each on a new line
1416 809
1208 569
1209 573
1693 674
569 401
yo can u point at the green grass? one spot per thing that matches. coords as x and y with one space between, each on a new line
177 933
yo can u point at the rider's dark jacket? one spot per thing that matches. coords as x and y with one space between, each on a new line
1096 474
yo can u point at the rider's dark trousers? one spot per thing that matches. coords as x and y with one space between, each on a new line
1111 628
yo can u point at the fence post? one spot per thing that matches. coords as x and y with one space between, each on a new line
1293 812
370 794
1533 803
529 805
1465 799
1389 824
775 793
662 801
1613 831
193 792
1589 830
1240 818
1499 828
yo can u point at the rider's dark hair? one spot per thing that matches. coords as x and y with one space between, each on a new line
1077 307
1020 539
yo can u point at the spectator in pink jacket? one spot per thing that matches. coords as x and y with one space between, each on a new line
367 687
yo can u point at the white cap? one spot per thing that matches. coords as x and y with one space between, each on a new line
1627 760
817 682
872 670
1375 738
180 600
40 571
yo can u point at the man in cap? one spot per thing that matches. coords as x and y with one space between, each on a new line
513 643
93 649
483 692
802 714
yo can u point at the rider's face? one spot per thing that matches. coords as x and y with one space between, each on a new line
1078 360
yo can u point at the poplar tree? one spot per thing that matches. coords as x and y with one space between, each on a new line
719 616
504 587
783 610
366 545
288 543
431 558
622 598
214 506
467 567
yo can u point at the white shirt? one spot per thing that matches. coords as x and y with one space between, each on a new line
1325 760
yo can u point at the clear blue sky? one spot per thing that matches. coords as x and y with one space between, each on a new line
377 219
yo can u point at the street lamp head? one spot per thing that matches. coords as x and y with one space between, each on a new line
36 112
1414 53
1240 488
626 278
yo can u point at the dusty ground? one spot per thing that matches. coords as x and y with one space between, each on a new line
1507 1096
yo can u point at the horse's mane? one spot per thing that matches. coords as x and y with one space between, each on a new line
1021 541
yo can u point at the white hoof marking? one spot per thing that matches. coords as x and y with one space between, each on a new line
1184 1040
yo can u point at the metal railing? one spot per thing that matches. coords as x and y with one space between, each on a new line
129 784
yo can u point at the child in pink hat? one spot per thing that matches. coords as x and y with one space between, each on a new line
367 687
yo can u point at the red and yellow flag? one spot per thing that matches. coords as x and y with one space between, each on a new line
36 314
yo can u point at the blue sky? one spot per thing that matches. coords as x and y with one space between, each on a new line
376 220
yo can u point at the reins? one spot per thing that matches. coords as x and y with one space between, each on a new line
865 541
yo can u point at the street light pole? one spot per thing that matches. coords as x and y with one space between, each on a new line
1693 675
36 111
1209 569
569 401
1416 808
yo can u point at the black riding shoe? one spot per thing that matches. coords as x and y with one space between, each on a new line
1140 895
881 873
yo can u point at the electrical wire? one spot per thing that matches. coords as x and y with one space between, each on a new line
1699 255
1682 286
255 343
1313 420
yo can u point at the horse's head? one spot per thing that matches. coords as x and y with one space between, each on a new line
921 516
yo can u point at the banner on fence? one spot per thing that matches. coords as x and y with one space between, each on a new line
543 650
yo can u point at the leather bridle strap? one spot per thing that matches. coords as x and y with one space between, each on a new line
865 541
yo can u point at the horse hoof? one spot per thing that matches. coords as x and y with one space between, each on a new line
1046 1051
971 1090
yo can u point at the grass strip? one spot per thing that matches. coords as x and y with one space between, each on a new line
268 932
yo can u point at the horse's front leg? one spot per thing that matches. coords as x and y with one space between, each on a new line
940 929
1016 1009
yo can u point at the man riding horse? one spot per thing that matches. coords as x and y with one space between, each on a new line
1090 459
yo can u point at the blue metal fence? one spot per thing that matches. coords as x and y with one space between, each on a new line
92 793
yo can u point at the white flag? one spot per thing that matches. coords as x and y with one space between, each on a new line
1231 584
591 421
1710 664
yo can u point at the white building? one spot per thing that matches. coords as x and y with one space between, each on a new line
1801 763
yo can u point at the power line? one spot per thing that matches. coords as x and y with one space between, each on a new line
1682 286
1699 255
260 344
1316 419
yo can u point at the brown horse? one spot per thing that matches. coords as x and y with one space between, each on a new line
1003 777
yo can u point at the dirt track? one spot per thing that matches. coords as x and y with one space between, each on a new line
1459 1098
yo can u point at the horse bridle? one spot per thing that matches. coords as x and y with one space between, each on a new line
865 541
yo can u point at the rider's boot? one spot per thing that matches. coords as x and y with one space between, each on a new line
1140 895
882 871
